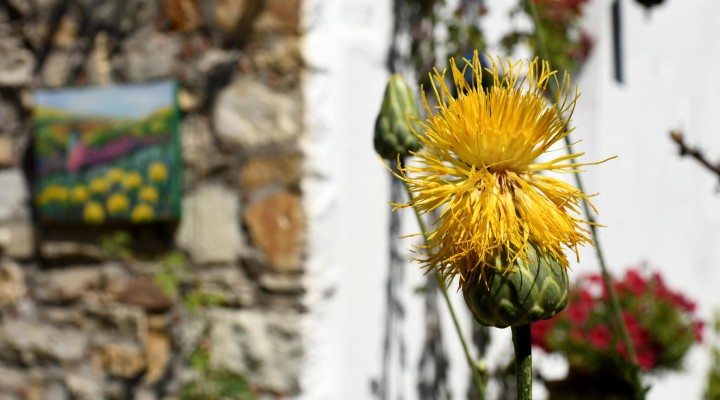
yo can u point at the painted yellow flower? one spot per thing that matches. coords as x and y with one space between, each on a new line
479 166
79 194
142 213
93 212
114 175
157 172
53 193
117 203
148 194
132 180
99 185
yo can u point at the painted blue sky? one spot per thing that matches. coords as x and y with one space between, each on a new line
127 101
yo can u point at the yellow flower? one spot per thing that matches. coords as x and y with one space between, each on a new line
148 194
117 203
479 166
79 194
157 172
132 180
99 185
142 213
114 175
93 213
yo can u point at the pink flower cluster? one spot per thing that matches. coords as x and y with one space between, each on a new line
660 322
560 10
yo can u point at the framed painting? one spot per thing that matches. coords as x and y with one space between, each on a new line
107 154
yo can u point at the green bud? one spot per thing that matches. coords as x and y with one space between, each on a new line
393 133
533 289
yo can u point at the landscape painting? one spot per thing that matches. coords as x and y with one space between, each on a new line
107 154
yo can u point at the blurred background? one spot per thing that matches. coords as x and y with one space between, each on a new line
233 238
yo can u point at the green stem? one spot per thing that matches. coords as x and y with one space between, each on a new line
634 373
443 289
523 361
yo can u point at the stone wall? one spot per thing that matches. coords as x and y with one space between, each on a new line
159 311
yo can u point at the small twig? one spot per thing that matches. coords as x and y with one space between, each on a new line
694 152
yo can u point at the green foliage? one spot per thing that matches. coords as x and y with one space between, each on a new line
712 390
217 386
567 45
117 245
168 278
197 299
211 384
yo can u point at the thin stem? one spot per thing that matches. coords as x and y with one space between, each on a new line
443 289
634 373
523 361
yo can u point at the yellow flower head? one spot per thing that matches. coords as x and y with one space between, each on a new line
132 180
93 213
99 185
142 213
117 203
79 194
148 194
479 166
157 172
114 175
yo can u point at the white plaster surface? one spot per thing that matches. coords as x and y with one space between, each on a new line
658 208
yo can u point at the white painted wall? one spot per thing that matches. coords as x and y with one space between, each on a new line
657 207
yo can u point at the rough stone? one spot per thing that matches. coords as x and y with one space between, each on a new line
279 17
283 168
145 293
31 342
232 283
54 391
10 115
57 250
157 353
197 143
209 229
213 59
184 15
151 55
18 238
121 318
63 316
13 194
276 225
235 17
282 283
57 68
11 379
7 158
145 393
67 31
85 383
115 279
279 62
123 360
12 283
266 348
250 114
67 284
16 63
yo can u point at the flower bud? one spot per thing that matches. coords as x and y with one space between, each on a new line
529 290
393 131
